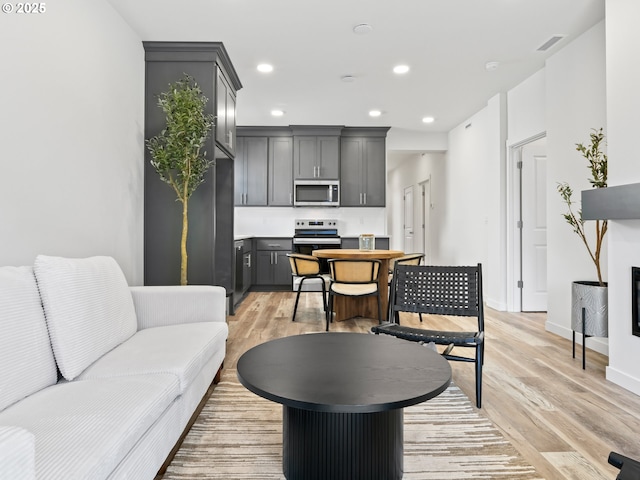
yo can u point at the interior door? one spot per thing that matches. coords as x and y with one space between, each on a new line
408 219
534 227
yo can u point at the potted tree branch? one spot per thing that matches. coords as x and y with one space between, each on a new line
589 299
177 152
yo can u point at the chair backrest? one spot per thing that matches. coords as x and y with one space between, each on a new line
354 271
304 264
410 259
440 290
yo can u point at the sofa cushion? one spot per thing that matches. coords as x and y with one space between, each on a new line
181 350
88 307
25 350
83 430
17 454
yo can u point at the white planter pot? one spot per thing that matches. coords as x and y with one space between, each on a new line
594 299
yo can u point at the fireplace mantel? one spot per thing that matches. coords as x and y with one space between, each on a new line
621 202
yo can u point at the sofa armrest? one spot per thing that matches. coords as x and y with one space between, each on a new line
171 305
17 453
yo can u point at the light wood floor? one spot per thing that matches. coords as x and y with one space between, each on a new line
562 419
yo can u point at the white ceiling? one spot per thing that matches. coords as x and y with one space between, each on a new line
311 45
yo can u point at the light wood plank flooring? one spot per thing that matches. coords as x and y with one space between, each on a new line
562 419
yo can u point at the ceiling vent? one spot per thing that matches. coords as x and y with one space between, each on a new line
550 43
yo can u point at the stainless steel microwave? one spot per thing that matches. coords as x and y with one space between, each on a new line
316 193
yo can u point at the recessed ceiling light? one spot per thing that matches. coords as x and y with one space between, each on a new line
362 29
400 69
265 68
375 113
491 66
428 120
277 113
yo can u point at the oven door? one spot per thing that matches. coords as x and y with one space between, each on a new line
306 246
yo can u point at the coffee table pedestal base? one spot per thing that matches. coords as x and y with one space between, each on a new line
342 446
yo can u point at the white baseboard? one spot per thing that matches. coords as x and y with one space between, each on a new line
598 344
624 380
499 306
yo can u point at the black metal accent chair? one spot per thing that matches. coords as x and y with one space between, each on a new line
307 267
629 468
439 290
353 278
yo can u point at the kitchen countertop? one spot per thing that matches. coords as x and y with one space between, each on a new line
246 237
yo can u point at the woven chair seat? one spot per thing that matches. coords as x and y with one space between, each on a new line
427 336
354 289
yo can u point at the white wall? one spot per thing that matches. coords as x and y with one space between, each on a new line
414 170
399 139
526 109
623 103
575 104
71 117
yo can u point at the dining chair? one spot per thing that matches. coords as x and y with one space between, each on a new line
439 290
353 278
408 259
307 267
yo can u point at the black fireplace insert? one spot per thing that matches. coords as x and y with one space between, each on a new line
635 300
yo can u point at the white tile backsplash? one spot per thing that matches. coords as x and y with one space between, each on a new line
279 221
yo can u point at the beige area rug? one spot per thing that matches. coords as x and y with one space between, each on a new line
238 436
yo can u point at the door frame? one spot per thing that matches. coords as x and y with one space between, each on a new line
514 237
425 207
412 214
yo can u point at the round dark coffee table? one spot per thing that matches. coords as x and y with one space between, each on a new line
342 397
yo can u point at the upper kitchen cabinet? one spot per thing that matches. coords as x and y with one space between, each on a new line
225 112
210 66
210 243
363 167
316 152
264 166
280 171
250 170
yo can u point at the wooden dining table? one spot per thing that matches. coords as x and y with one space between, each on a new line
349 307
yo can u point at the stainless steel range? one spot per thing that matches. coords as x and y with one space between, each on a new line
311 235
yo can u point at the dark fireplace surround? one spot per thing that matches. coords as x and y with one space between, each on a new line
635 303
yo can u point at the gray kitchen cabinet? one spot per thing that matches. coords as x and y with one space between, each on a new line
382 243
272 263
225 112
316 153
250 171
363 167
210 242
280 186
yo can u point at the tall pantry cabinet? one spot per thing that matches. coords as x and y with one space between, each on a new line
210 242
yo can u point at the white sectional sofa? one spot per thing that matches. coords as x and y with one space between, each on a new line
100 379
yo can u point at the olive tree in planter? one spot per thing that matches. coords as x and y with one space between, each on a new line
177 152
589 304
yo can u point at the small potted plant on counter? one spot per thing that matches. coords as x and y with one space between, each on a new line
589 299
